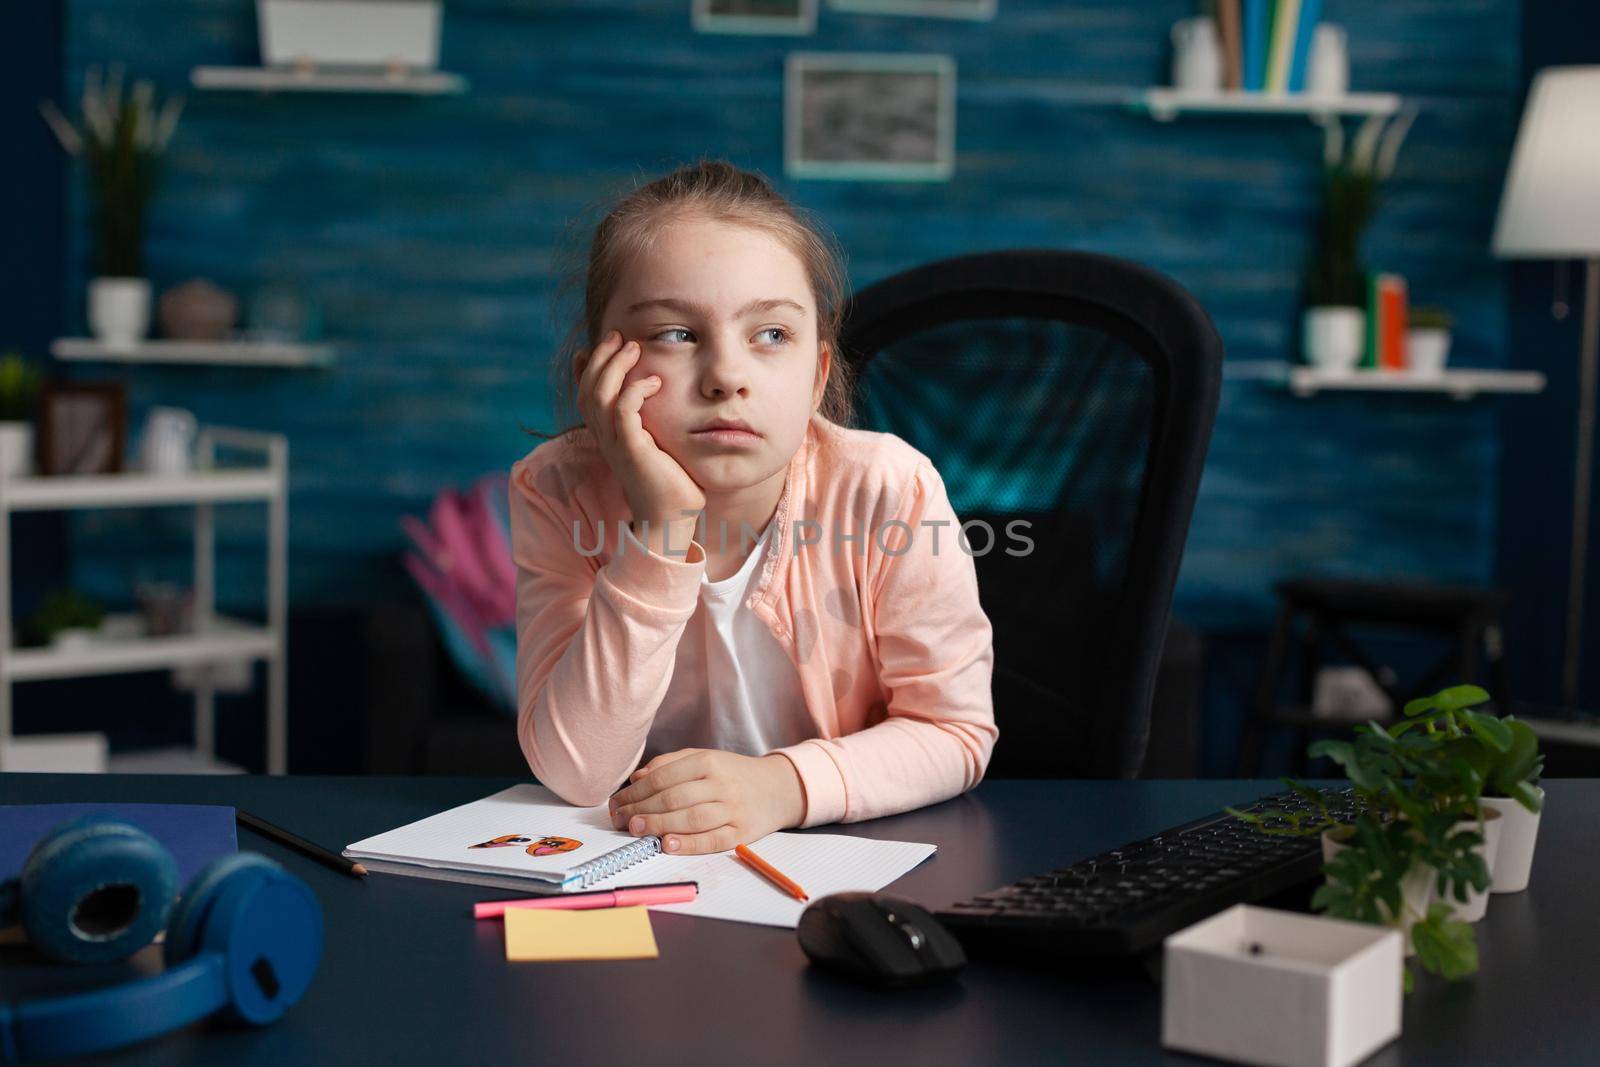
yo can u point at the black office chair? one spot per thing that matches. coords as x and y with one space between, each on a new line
1076 391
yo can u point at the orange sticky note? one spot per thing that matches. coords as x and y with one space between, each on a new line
536 934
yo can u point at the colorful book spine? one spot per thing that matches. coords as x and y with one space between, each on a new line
1286 14
1257 23
1228 30
1310 13
1392 327
1369 350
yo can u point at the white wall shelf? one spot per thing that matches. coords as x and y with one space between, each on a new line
212 639
1461 384
294 79
222 353
1164 105
137 489
1457 384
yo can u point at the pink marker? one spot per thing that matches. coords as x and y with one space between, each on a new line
663 893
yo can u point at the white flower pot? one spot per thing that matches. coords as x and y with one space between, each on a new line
16 449
1477 900
1416 890
119 310
1518 831
1426 349
1334 337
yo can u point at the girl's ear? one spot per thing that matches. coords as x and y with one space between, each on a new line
824 367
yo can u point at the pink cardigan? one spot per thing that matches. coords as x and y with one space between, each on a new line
893 651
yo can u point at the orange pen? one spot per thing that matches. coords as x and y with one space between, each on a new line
771 873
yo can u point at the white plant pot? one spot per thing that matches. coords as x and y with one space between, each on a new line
119 310
1519 830
1416 891
16 449
1477 900
1334 337
1426 349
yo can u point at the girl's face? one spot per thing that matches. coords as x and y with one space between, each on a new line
724 314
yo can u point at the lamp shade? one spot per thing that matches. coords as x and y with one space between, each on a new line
1550 208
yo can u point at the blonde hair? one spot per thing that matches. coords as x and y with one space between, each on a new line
711 189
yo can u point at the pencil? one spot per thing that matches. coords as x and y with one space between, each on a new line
771 873
300 844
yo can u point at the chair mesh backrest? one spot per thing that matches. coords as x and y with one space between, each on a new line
1037 406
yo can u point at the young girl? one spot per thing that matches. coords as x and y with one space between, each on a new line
747 614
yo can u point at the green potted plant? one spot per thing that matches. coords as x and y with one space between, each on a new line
1510 772
1428 339
121 137
1334 324
19 399
65 618
1419 852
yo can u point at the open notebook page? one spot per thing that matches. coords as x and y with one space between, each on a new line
820 863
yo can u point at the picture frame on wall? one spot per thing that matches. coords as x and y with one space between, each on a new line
977 10
81 427
793 17
869 116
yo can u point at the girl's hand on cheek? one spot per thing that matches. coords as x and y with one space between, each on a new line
700 800
654 483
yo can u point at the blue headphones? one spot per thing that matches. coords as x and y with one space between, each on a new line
243 940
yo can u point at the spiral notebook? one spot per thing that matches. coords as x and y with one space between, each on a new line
528 840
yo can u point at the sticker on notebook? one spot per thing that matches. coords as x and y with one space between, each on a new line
537 846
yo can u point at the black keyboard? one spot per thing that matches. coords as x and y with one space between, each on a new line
1124 902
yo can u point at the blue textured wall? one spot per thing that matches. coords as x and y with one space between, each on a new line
427 226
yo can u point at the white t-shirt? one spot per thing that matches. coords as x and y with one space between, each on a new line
733 686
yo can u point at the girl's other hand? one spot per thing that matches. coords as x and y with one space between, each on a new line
656 486
700 800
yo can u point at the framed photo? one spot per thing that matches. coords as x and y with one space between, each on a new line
941 9
871 116
81 427
796 17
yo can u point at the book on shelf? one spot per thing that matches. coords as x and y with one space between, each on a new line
1227 16
1268 42
1385 347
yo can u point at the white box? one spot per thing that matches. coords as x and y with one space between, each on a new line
349 33
1315 992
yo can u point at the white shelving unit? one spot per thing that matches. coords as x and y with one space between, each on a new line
294 79
214 639
220 353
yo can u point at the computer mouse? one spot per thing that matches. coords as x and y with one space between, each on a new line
878 939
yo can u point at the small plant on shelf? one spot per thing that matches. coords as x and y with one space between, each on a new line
62 609
1428 317
19 388
1418 830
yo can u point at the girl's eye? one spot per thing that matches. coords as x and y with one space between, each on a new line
783 335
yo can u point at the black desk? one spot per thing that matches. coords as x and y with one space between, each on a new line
409 977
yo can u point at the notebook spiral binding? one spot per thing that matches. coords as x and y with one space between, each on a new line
586 874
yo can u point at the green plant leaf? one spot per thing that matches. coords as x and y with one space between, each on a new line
1419 706
1527 796
1490 730
1458 697
1521 761
1445 946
